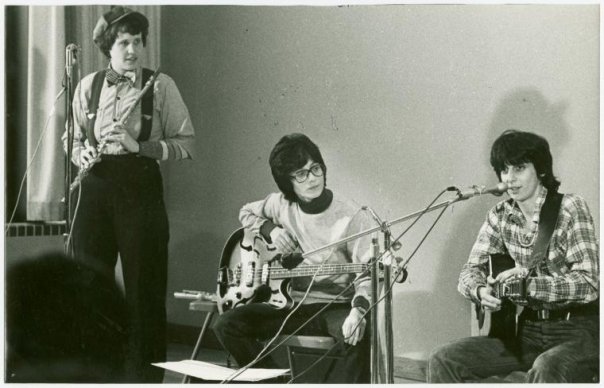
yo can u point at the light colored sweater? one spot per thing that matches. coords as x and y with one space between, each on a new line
340 219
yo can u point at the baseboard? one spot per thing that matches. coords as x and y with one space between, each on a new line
35 228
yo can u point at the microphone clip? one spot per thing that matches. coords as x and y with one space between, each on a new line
401 271
70 58
471 192
384 228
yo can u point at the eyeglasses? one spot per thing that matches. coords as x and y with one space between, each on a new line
302 175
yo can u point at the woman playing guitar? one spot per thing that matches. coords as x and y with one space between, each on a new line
302 217
551 241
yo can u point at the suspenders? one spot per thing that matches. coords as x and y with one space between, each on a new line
93 105
146 108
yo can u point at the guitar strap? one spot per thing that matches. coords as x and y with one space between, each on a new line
547 223
548 218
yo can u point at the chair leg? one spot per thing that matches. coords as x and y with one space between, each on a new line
197 347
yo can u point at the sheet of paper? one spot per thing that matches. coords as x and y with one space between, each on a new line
208 371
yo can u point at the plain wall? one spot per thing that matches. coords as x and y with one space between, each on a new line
403 100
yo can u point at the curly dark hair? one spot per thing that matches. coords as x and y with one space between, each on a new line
132 23
291 153
515 147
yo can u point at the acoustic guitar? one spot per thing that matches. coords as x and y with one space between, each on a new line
249 273
503 322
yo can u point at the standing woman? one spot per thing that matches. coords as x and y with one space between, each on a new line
120 207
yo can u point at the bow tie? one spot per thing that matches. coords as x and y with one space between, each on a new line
114 78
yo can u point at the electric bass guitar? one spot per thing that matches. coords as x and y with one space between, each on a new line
248 273
503 322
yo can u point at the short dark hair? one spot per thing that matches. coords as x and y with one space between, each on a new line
132 23
515 147
291 153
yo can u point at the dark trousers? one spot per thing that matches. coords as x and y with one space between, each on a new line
556 351
121 210
241 329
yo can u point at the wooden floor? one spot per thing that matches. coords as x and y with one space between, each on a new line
405 371
178 352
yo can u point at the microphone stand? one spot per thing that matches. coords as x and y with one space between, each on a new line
388 334
384 227
374 364
69 93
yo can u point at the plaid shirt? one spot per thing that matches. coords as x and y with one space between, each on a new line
570 275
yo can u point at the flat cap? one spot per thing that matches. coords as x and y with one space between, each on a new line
115 14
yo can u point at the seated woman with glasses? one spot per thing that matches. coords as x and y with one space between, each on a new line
302 217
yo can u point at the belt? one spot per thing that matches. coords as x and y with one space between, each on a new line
547 315
562 314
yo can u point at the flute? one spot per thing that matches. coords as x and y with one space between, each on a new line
123 120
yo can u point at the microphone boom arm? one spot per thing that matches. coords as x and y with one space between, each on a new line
386 224
388 367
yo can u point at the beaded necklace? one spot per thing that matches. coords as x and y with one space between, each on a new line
521 237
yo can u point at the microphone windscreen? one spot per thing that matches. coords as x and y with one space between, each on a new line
500 189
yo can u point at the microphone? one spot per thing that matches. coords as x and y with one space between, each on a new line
70 57
475 190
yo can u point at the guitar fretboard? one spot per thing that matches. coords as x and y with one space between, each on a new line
310 270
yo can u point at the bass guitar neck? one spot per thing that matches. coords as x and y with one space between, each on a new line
276 272
248 273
